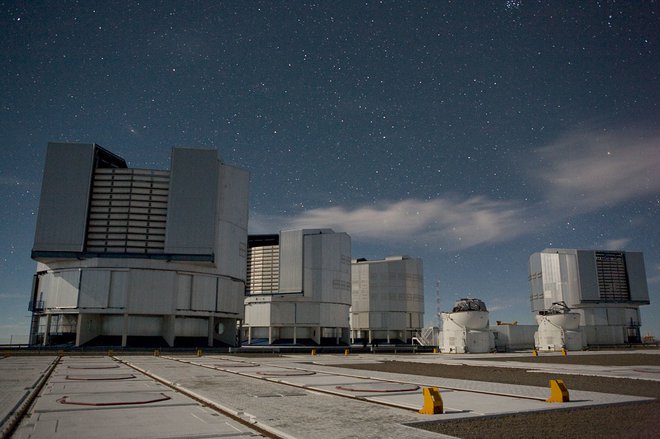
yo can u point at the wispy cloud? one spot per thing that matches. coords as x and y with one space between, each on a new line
616 244
653 276
592 169
445 222
580 172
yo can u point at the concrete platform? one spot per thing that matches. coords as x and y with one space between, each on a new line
462 398
135 408
19 377
297 396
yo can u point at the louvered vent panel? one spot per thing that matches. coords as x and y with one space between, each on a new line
263 270
128 211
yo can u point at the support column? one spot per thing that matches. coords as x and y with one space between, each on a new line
209 342
47 330
87 327
270 335
249 335
124 331
295 334
169 329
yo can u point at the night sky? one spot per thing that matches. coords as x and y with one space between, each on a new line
471 134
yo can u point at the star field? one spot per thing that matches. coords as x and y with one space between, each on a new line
471 134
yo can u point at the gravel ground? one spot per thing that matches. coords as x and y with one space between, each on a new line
635 420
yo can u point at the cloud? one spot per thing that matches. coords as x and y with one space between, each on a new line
653 275
592 169
581 172
444 222
616 244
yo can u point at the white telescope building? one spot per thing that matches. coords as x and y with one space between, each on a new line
466 328
606 288
387 299
298 288
139 257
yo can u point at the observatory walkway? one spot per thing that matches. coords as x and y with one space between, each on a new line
297 396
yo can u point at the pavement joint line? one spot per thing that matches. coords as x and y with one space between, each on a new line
323 370
11 421
236 415
311 386
320 389
486 392
534 398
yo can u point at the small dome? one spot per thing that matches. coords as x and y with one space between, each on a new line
469 305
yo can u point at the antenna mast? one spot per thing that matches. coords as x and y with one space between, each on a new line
437 302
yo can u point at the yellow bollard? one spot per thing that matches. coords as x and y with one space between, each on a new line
432 402
435 350
346 352
200 352
313 352
564 352
558 392
157 353
535 353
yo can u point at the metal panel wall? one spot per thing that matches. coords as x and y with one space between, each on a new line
66 289
394 290
282 313
536 282
230 297
595 316
360 287
414 279
307 313
552 291
183 291
291 261
334 315
94 288
233 187
118 289
571 292
203 293
151 292
616 316
231 250
192 202
639 290
231 233
327 267
588 276
63 203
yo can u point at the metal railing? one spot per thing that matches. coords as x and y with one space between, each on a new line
36 305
